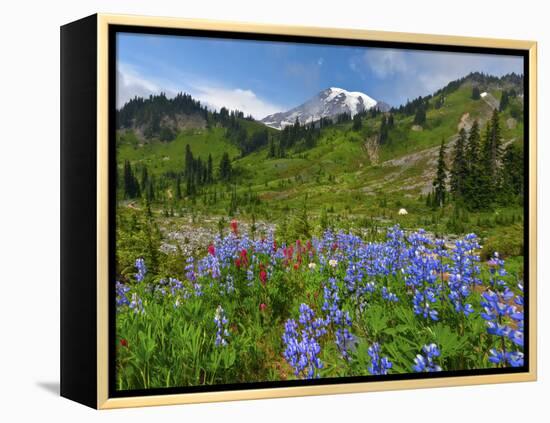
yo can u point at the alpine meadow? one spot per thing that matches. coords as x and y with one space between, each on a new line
363 222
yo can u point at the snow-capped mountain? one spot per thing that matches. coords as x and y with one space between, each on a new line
328 103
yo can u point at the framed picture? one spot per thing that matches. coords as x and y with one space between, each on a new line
254 211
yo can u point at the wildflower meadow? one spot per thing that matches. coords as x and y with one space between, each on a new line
253 310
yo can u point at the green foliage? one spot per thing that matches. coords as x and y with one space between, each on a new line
508 242
137 235
459 170
131 184
357 123
225 168
512 175
420 116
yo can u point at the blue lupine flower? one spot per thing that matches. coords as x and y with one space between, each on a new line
190 269
222 333
378 366
497 271
421 275
340 319
121 291
515 358
504 321
463 273
136 304
302 346
389 296
141 269
426 362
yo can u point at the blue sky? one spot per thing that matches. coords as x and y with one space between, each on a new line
266 77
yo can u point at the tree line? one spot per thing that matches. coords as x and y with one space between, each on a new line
195 174
482 173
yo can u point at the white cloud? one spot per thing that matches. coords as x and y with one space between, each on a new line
406 74
386 62
236 98
131 83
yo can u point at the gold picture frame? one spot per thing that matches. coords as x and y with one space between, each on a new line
101 23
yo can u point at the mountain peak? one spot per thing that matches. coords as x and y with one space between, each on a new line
328 103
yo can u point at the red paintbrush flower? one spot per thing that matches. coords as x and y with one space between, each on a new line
124 342
262 307
235 227
212 250
244 258
263 276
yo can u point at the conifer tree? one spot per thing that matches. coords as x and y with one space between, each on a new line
210 170
439 183
473 197
512 174
225 167
178 188
390 121
475 93
383 136
131 184
504 100
490 156
420 115
429 201
271 152
357 123
188 161
144 177
493 145
459 170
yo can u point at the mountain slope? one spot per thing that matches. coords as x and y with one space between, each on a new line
327 104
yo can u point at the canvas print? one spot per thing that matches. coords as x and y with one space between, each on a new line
291 211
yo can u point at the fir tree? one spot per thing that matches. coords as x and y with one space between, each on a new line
491 152
459 170
439 183
225 167
429 201
390 121
504 100
178 188
475 93
144 176
493 144
512 174
210 170
420 115
271 151
473 198
383 135
357 123
131 184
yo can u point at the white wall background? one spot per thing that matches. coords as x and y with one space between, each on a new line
29 192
